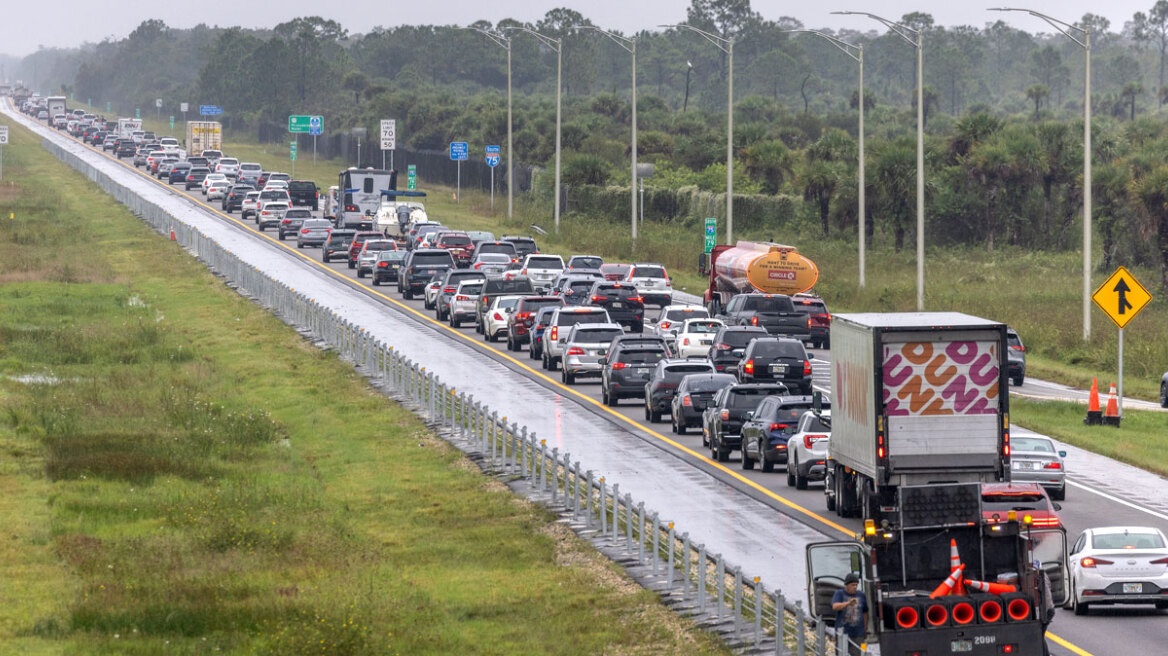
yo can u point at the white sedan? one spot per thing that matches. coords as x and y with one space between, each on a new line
694 338
212 177
217 189
1119 565
495 318
670 318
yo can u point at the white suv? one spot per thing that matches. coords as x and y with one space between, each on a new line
807 449
652 281
695 337
228 166
542 269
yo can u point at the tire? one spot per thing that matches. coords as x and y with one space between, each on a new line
800 479
1080 607
376 281
1017 381
654 417
455 322
747 462
646 412
767 466
567 378
299 245
261 227
1059 495
609 399
679 428
791 475
1164 395
543 362
360 273
1162 605
553 364
407 294
351 264
487 337
830 502
532 354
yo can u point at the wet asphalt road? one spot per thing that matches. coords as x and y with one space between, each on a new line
628 449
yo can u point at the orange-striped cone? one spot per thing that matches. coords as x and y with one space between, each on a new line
1094 416
172 234
947 587
1111 416
992 588
954 557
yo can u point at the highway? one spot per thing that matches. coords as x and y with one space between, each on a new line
753 518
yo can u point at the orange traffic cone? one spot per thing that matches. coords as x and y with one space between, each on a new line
951 582
992 588
172 234
954 557
1111 416
1094 417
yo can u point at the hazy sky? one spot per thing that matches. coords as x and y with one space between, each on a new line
67 23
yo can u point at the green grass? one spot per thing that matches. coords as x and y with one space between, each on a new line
1141 439
190 476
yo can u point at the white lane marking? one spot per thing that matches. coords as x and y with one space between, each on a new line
1116 499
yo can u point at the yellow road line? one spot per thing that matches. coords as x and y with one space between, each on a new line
680 447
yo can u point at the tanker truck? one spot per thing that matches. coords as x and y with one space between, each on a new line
750 284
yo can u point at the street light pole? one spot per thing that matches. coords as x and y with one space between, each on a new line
505 43
856 52
726 45
558 46
914 38
1083 40
630 46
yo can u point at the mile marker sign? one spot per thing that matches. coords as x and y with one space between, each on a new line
1122 297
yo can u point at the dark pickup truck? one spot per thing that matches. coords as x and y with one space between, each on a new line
774 312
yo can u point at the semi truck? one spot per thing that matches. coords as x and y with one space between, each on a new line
128 126
204 135
55 105
940 579
754 267
919 398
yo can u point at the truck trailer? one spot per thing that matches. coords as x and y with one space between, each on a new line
919 398
750 267
204 135
128 126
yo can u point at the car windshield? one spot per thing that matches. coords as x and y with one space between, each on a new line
494 258
297 214
597 335
1127 540
614 292
683 314
1013 340
544 263
506 302
648 272
768 304
535 304
522 286
379 244
573 318
227 161
432 259
317 224
788 417
811 307
748 398
586 262
580 285
505 248
1032 444
391 256
705 327
641 357
456 240
1008 500
778 349
710 384
739 338
470 288
684 369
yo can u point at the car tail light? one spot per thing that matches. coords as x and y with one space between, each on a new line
497 317
448 290
523 315
1053 465
619 365
595 298
809 440
685 341
722 346
1018 348
665 325
748 367
725 414
462 298
686 401
775 427
383 265
1045 521
1160 561
1092 562
575 350
806 367
555 333
637 299
754 321
305 232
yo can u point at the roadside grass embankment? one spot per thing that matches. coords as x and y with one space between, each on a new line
184 474
1141 439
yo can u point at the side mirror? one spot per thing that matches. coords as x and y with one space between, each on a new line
603 361
1056 506
748 416
1062 454
817 401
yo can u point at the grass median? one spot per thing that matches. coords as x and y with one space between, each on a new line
184 474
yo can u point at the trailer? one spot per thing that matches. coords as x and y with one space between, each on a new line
360 196
750 267
204 135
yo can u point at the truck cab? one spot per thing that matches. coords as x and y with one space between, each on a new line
1010 576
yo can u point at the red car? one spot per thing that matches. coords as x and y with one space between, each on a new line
520 322
359 240
460 246
1027 499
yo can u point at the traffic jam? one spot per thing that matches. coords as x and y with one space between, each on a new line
961 547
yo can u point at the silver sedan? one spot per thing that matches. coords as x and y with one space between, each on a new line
1036 459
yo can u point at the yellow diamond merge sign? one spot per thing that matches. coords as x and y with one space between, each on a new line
1121 297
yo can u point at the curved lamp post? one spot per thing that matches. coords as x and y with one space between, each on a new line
558 46
505 43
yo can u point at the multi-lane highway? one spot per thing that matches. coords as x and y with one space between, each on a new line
753 518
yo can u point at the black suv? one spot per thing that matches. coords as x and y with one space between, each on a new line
1015 357
722 420
730 343
304 192
818 318
663 383
338 243
782 360
694 394
420 267
623 374
233 199
125 148
770 426
624 304
524 246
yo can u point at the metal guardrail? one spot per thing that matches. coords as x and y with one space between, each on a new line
697 583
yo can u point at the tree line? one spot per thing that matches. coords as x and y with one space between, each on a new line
1003 110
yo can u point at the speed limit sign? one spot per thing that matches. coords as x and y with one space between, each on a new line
3 135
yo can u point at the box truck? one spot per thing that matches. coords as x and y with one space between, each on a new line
204 135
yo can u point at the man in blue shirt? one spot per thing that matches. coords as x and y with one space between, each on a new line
851 611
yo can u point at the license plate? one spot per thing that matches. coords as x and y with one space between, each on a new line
642 370
1133 588
779 369
1025 465
958 646
617 305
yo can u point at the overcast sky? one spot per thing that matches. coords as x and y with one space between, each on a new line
68 23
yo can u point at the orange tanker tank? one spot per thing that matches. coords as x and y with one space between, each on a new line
763 267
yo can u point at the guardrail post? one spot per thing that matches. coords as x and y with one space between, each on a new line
656 541
800 630
629 524
701 578
603 508
719 584
576 492
555 473
543 465
820 639
588 501
615 513
669 565
780 622
759 596
841 641
737 595
685 551
641 532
